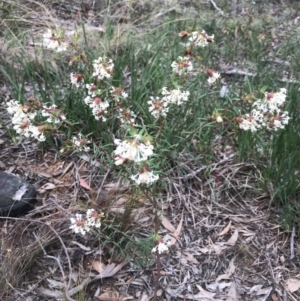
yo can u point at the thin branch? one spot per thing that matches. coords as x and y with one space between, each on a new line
292 243
217 8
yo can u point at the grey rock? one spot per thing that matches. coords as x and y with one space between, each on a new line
16 195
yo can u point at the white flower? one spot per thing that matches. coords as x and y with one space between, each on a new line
182 65
76 79
175 96
93 218
158 107
249 123
80 143
162 247
126 117
144 177
278 122
36 133
272 102
93 90
79 225
13 107
98 106
103 68
118 93
212 76
54 42
54 115
132 150
200 39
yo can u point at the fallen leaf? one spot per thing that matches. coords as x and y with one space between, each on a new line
293 284
232 294
203 293
167 224
219 247
264 291
218 286
204 250
124 283
225 230
190 257
177 232
125 297
274 297
47 186
109 296
84 184
98 266
111 269
232 240
230 270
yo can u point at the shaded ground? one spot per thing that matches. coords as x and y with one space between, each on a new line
231 244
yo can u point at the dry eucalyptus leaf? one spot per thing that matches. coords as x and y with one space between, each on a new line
47 186
98 266
219 247
166 223
125 297
218 286
232 240
293 284
84 184
110 270
202 295
225 230
232 294
109 296
230 270
177 232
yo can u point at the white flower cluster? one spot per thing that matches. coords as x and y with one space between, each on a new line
84 225
133 150
54 114
182 65
118 93
144 177
126 117
175 96
162 247
160 106
54 42
212 76
81 143
266 113
92 90
103 67
200 38
98 106
137 151
76 79
22 121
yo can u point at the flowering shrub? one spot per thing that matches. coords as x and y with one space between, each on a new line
137 144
